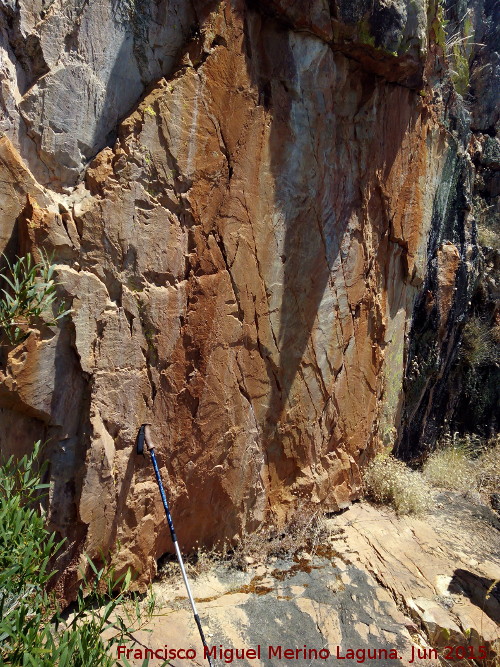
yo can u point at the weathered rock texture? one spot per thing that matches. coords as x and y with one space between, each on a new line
381 582
72 70
242 261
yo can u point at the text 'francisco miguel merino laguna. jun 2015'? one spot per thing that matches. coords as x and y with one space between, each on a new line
288 654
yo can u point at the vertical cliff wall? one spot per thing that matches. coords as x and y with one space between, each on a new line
242 252
452 370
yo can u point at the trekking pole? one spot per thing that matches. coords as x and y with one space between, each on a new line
144 437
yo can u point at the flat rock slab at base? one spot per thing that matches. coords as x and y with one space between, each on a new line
405 585
438 568
293 606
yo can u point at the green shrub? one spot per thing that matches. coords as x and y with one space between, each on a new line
30 294
25 550
391 482
32 628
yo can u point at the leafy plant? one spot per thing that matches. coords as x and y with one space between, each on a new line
33 630
102 619
435 14
25 549
30 293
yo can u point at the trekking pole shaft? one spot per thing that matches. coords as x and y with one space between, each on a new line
178 551
163 496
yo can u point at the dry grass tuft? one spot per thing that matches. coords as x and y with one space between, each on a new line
450 469
305 530
465 463
391 482
480 343
197 564
488 235
488 469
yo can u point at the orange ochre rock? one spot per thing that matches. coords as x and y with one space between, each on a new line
242 264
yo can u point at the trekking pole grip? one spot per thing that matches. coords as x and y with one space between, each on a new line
147 437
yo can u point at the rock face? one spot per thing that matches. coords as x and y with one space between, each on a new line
72 71
242 258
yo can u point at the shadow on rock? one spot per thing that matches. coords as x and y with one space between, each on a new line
483 592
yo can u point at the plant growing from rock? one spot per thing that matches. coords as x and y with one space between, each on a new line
458 50
488 230
480 343
29 294
488 468
467 464
306 531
